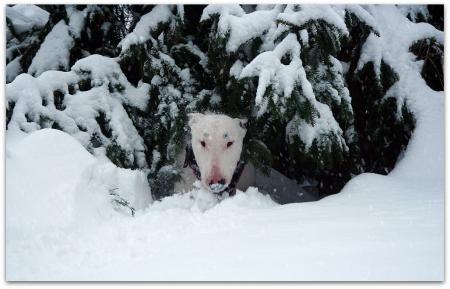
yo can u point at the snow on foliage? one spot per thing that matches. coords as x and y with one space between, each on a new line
25 17
268 68
380 47
399 34
93 116
414 12
196 51
54 52
362 14
76 20
371 52
281 78
240 26
219 9
148 23
278 64
299 15
66 207
236 69
23 22
13 69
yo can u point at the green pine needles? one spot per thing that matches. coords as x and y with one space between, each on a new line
316 104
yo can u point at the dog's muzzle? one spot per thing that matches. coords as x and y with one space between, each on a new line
217 188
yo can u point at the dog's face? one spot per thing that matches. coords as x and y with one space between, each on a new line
217 144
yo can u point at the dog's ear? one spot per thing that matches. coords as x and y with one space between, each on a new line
243 122
194 117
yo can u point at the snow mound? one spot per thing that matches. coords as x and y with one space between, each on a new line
49 173
200 201
34 199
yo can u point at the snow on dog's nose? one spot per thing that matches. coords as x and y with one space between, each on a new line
216 182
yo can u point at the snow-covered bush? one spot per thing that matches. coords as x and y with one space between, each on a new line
54 37
317 82
431 52
24 23
86 102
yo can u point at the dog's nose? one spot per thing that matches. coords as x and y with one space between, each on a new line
221 181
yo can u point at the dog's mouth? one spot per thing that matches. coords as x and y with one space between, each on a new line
217 187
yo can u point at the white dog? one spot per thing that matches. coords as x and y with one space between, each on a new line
213 155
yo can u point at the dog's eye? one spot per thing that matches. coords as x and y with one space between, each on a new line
203 143
230 143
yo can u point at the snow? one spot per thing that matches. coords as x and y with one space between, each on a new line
371 52
212 9
104 70
76 20
361 13
236 69
83 107
269 69
241 27
148 23
304 37
13 69
61 224
271 72
25 17
313 12
64 228
65 158
338 68
196 51
307 132
54 52
426 104
414 11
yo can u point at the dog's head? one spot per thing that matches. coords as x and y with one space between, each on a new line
217 144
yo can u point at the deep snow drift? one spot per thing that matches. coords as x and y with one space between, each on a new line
62 226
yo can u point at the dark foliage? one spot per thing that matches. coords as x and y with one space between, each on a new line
432 53
374 128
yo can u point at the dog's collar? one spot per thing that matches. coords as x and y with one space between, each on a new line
192 163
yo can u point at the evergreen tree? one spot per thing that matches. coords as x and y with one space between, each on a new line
310 79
